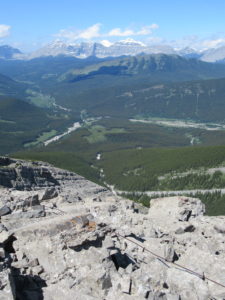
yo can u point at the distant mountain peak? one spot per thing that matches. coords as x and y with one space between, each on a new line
106 48
130 41
100 49
187 50
8 52
57 43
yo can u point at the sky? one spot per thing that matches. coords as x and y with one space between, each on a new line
28 24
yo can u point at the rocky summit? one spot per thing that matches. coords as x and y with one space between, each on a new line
63 237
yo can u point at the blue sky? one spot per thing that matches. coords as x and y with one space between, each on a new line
30 24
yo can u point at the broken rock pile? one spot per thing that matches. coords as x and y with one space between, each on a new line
63 237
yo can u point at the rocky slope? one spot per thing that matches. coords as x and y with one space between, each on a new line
63 237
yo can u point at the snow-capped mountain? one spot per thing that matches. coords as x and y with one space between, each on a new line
124 47
189 53
101 49
56 48
132 47
106 48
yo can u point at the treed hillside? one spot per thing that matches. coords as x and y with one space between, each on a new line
108 87
138 169
45 69
153 67
127 87
142 85
155 169
202 100
197 100
21 122
84 83
12 88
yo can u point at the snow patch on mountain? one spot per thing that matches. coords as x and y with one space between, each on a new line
106 43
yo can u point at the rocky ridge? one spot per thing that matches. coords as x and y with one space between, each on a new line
87 49
105 48
63 237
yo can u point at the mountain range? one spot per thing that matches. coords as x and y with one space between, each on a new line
71 82
103 49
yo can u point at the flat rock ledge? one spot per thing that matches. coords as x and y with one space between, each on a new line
63 237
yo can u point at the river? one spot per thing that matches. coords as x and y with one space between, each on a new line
74 127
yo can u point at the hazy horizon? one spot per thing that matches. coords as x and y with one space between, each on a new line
30 25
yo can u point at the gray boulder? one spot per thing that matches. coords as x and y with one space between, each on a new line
5 210
48 193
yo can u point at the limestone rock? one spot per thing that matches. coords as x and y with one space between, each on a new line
68 238
7 286
220 229
4 236
5 210
170 254
175 209
48 193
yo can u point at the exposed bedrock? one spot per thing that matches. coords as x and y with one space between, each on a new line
63 237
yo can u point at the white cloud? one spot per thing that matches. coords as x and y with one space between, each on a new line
94 32
214 43
4 30
154 26
197 43
91 32
154 40
88 33
119 32
145 30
